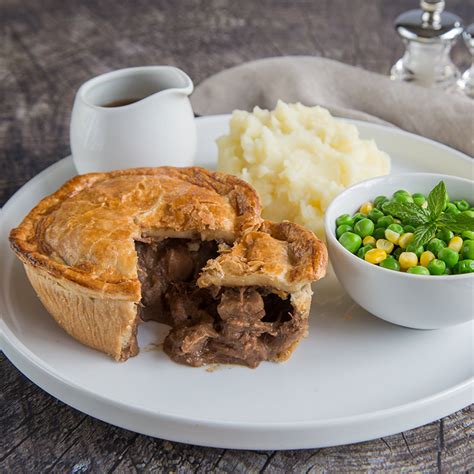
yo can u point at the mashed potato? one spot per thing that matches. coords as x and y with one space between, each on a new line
298 159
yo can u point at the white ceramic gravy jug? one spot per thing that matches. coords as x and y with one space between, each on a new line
133 117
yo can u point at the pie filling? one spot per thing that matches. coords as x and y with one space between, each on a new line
240 325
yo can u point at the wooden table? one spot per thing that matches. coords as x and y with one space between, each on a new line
49 49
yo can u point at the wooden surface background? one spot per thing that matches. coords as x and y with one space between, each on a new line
49 48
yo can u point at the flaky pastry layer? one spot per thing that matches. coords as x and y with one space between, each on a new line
281 255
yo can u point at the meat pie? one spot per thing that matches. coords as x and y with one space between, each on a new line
181 246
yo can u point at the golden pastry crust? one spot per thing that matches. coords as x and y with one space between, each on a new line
106 324
85 232
280 255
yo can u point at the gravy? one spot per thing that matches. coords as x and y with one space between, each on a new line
122 102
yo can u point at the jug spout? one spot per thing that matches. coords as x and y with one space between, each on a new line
172 78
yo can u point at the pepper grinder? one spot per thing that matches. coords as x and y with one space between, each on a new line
466 83
428 33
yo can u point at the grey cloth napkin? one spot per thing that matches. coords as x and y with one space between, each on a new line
346 91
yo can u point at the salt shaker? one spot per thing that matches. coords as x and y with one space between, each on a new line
466 83
428 33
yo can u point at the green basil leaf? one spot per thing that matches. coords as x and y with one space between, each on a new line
437 200
423 234
408 213
456 222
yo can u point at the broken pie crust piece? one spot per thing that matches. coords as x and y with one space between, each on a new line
183 246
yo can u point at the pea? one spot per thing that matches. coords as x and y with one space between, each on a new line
383 206
344 219
396 228
385 221
417 250
468 235
402 198
462 205
418 199
375 214
448 271
396 253
418 270
363 250
445 234
379 233
379 200
358 217
448 256
343 228
435 245
401 192
350 241
408 228
464 266
390 264
436 267
468 213
364 228
452 209
467 250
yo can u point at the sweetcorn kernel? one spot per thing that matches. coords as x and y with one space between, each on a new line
455 243
366 207
426 257
407 260
405 239
392 236
424 205
375 256
385 245
368 240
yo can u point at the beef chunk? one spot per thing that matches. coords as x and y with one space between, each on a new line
247 350
241 303
188 344
178 263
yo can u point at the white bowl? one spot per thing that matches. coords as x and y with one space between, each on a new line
415 301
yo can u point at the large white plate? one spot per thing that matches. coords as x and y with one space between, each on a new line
354 378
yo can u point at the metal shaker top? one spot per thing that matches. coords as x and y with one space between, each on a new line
429 24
